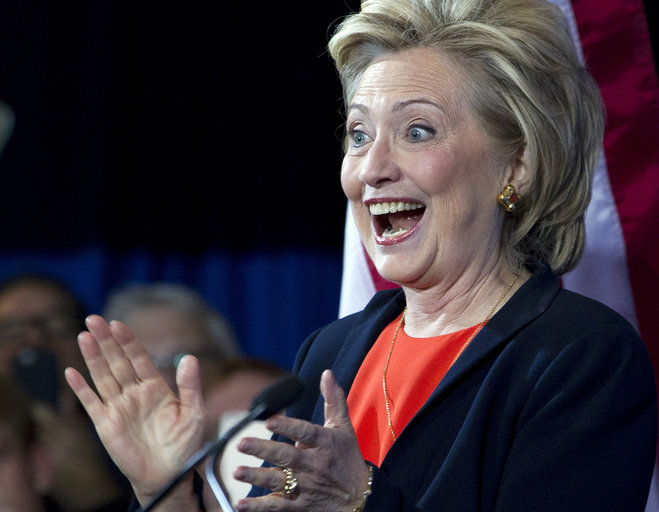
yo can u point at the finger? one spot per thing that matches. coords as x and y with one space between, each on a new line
188 382
268 478
139 358
89 400
275 452
269 503
99 370
336 406
305 434
114 354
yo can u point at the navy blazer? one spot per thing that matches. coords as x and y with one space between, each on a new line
552 407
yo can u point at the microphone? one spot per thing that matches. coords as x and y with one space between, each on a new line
267 403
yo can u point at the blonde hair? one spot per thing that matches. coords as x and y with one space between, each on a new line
528 91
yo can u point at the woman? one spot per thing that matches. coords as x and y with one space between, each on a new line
472 135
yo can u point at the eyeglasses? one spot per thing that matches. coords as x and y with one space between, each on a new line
169 360
53 327
173 359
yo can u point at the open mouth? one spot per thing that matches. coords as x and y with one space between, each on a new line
395 220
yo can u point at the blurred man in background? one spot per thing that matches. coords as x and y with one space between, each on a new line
26 469
172 320
39 322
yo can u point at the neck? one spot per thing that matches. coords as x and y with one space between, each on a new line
462 302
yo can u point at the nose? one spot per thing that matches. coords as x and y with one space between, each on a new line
380 165
34 336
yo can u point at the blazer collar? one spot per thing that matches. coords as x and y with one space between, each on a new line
524 306
529 302
383 308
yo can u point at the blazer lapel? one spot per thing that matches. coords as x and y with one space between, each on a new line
381 311
523 307
527 304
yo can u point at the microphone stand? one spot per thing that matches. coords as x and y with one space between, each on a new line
213 448
264 405
215 483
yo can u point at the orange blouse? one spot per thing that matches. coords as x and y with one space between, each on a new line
416 367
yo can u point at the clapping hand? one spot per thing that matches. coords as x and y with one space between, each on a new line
148 431
326 471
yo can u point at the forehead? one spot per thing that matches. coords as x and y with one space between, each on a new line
162 328
31 298
421 73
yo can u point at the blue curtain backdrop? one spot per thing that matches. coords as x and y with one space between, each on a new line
273 299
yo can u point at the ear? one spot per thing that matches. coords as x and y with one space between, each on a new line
42 468
518 173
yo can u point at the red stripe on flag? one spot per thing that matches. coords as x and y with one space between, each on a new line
616 45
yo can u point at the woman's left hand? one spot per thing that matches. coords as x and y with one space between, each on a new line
326 461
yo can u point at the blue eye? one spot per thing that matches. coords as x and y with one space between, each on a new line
359 138
420 133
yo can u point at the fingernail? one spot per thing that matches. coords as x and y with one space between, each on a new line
273 424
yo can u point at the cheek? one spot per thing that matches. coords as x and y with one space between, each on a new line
352 188
350 180
7 353
14 474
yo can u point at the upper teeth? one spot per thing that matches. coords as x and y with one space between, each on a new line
392 207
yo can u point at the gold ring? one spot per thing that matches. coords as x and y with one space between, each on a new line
290 484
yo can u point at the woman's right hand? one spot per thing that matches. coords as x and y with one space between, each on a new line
146 429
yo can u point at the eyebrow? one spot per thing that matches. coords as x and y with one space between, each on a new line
358 106
399 105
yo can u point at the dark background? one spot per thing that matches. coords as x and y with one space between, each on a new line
196 142
171 124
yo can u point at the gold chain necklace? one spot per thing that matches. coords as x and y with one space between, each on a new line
473 335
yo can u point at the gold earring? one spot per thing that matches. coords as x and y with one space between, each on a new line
508 198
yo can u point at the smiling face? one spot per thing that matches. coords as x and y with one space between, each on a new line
421 175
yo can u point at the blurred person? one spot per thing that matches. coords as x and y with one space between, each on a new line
472 134
229 386
26 470
40 319
172 320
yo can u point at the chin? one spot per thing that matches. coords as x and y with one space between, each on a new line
394 270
